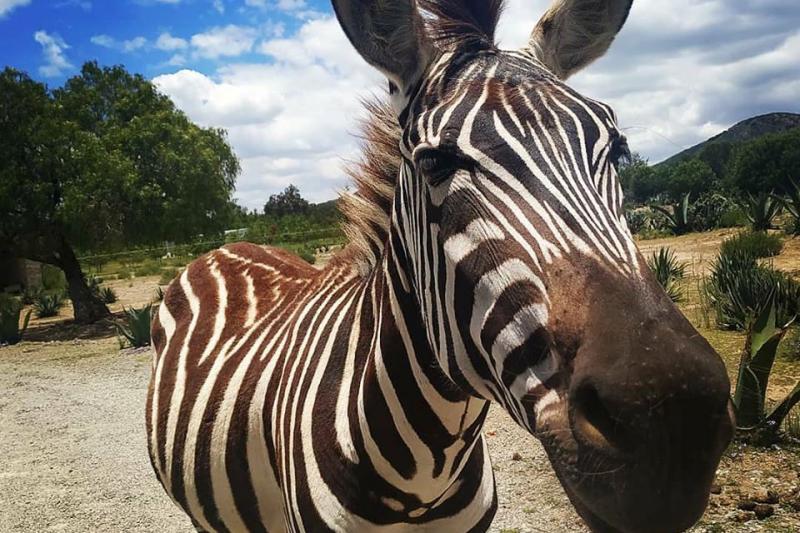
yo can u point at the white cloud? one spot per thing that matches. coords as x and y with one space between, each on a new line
129 45
290 120
53 48
230 40
680 72
133 44
105 41
6 6
167 42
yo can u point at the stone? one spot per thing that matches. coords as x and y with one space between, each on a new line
743 516
516 457
746 505
716 488
762 495
763 510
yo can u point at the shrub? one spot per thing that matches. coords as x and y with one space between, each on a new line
134 328
707 212
10 310
107 295
167 275
761 210
307 254
30 295
639 220
678 218
733 217
48 305
738 288
668 272
756 243
791 203
149 267
159 296
53 278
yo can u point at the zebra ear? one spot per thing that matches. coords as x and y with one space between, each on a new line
389 35
573 33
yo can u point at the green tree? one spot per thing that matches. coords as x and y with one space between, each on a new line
689 177
102 163
768 163
288 202
637 179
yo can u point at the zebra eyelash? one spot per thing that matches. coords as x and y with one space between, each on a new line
619 152
437 165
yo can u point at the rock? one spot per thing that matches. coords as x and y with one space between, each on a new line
516 457
763 510
746 505
716 488
743 516
762 495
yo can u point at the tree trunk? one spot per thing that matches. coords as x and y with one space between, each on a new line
87 306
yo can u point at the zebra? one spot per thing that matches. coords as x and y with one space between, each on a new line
489 262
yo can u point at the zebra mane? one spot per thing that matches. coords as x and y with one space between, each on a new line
367 209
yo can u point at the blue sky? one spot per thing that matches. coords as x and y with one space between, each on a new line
281 78
128 31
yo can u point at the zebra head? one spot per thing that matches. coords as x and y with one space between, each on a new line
507 226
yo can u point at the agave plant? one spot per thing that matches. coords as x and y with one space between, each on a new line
761 210
134 328
107 295
791 203
738 286
10 310
764 335
668 272
159 294
679 217
48 305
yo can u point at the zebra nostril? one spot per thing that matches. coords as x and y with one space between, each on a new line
595 424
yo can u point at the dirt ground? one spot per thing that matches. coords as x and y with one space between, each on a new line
74 458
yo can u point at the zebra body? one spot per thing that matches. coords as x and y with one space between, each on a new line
282 365
488 261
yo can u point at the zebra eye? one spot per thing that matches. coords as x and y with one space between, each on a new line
437 165
620 152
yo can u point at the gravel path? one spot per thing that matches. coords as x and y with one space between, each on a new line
74 457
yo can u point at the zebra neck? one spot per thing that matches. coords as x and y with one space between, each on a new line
418 427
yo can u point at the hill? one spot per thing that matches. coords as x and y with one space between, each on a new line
746 130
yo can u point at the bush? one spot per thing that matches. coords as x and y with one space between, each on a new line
31 294
48 305
791 203
756 243
167 275
668 272
150 267
733 217
159 295
134 328
708 211
738 288
107 295
10 310
53 278
639 220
